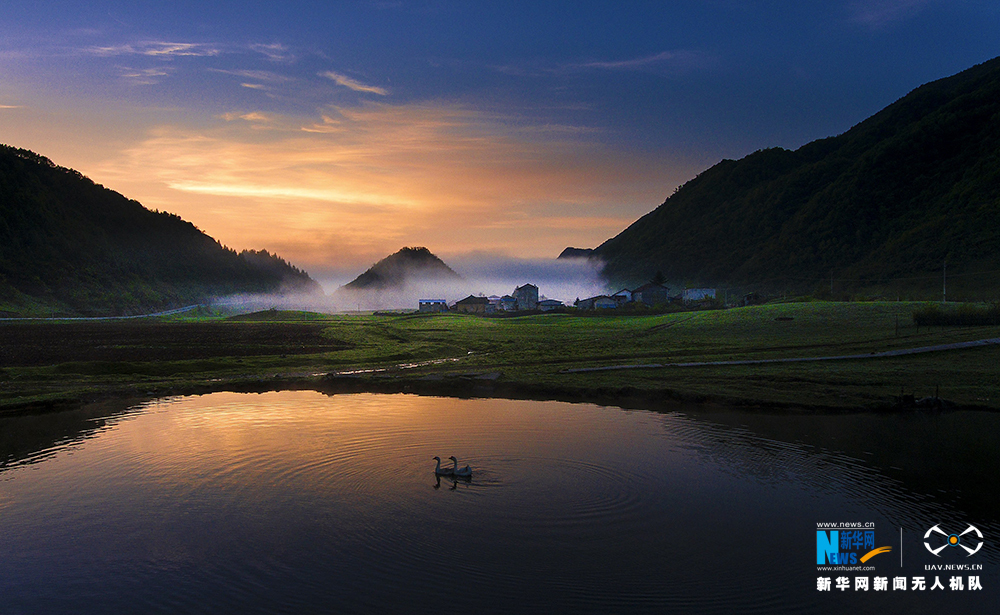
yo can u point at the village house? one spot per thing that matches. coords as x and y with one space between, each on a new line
623 296
526 297
432 305
501 304
472 305
651 294
523 298
600 302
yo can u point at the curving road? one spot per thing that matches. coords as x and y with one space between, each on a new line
871 355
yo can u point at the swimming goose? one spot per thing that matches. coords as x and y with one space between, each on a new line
439 471
457 471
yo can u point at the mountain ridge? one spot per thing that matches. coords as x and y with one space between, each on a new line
71 246
895 197
396 270
575 253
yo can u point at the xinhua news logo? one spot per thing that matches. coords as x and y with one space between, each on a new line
848 545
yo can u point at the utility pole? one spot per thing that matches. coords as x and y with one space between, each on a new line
944 283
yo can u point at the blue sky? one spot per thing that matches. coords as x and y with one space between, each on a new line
336 132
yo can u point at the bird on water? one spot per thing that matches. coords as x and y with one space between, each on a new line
439 471
457 471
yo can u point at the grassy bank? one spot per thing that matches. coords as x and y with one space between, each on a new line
63 363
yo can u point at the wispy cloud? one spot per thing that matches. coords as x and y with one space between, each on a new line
643 62
354 84
11 107
145 76
359 182
285 192
259 75
274 51
880 13
159 49
674 61
328 125
261 79
254 116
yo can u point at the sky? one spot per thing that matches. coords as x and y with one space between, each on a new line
335 133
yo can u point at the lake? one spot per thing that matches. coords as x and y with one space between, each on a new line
300 502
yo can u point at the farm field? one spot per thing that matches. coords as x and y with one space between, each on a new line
47 364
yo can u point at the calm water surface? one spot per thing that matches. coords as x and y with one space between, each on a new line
297 502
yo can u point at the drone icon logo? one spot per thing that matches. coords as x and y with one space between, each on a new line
953 540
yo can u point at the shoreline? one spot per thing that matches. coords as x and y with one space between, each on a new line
469 385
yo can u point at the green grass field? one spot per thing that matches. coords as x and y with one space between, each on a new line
49 363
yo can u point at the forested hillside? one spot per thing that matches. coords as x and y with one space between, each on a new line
405 266
880 208
70 246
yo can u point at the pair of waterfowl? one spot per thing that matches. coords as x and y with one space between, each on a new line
453 471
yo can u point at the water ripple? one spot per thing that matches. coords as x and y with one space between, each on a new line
297 502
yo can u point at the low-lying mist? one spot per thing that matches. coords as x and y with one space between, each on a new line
562 279
482 275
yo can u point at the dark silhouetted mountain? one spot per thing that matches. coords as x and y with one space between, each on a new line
69 245
408 265
886 203
575 253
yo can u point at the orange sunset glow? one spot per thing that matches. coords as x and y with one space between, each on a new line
335 137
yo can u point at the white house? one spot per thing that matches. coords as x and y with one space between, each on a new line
600 302
432 305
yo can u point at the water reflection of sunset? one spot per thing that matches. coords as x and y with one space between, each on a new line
261 502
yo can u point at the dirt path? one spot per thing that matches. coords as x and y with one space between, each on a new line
871 355
181 310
